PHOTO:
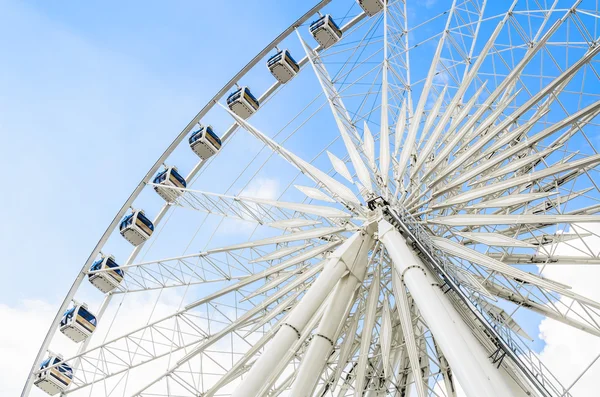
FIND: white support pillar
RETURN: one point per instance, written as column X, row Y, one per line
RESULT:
column 467, row 358
column 341, row 261
column 323, row 341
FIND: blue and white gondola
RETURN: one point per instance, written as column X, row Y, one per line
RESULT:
column 204, row 142
column 136, row 228
column 56, row 379
column 282, row 66
column 371, row 7
column 78, row 323
column 105, row 274
column 169, row 183
column 242, row 102
column 325, row 31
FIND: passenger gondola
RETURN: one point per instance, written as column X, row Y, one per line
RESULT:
column 105, row 274
column 325, row 31
column 169, row 184
column 136, row 228
column 242, row 102
column 78, row 323
column 371, row 7
column 204, row 142
column 282, row 66
column 56, row 379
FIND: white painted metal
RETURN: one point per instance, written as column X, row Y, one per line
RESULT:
column 315, row 194
column 447, row 201
column 384, row 133
column 476, row 374
column 409, row 143
column 400, row 127
column 495, row 239
column 152, row 171
column 341, row 261
column 326, row 212
column 369, row 146
column 339, row 166
column 406, row 319
column 280, row 253
column 323, row 341
column 367, row 334
column 340, row 114
column 339, row 190
column 480, row 220
column 510, row 200
column 385, row 338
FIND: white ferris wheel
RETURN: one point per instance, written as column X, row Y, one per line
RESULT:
column 368, row 208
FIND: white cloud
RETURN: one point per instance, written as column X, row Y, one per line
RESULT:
column 568, row 351
column 25, row 325
column 264, row 188
column 23, row 329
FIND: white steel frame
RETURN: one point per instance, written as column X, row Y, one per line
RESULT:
column 401, row 271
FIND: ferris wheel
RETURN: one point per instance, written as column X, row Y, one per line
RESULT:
column 368, row 208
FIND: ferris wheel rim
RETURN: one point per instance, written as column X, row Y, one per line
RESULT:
column 146, row 181
column 159, row 162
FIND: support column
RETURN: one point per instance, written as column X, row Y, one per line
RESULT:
column 341, row 261
column 472, row 367
column 324, row 339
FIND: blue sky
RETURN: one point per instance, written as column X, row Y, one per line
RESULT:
column 91, row 93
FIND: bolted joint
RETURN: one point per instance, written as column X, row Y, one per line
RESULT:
column 294, row 328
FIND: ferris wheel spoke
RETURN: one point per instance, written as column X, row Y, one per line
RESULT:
column 353, row 252
column 409, row 141
column 371, row 282
column 557, row 84
column 504, row 84
column 220, row 265
column 585, row 320
column 565, row 306
column 384, row 133
column 476, row 257
column 405, row 313
column 339, row 191
column 258, row 210
column 348, row 349
column 105, row 361
column 412, row 198
column 345, row 126
column 505, row 185
column 212, row 339
column 458, row 96
column 188, row 270
column 494, row 156
column 367, row 331
column 242, row 366
column 285, row 306
column 186, row 328
column 306, row 271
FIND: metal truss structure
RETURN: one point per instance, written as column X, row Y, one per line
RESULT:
column 445, row 160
